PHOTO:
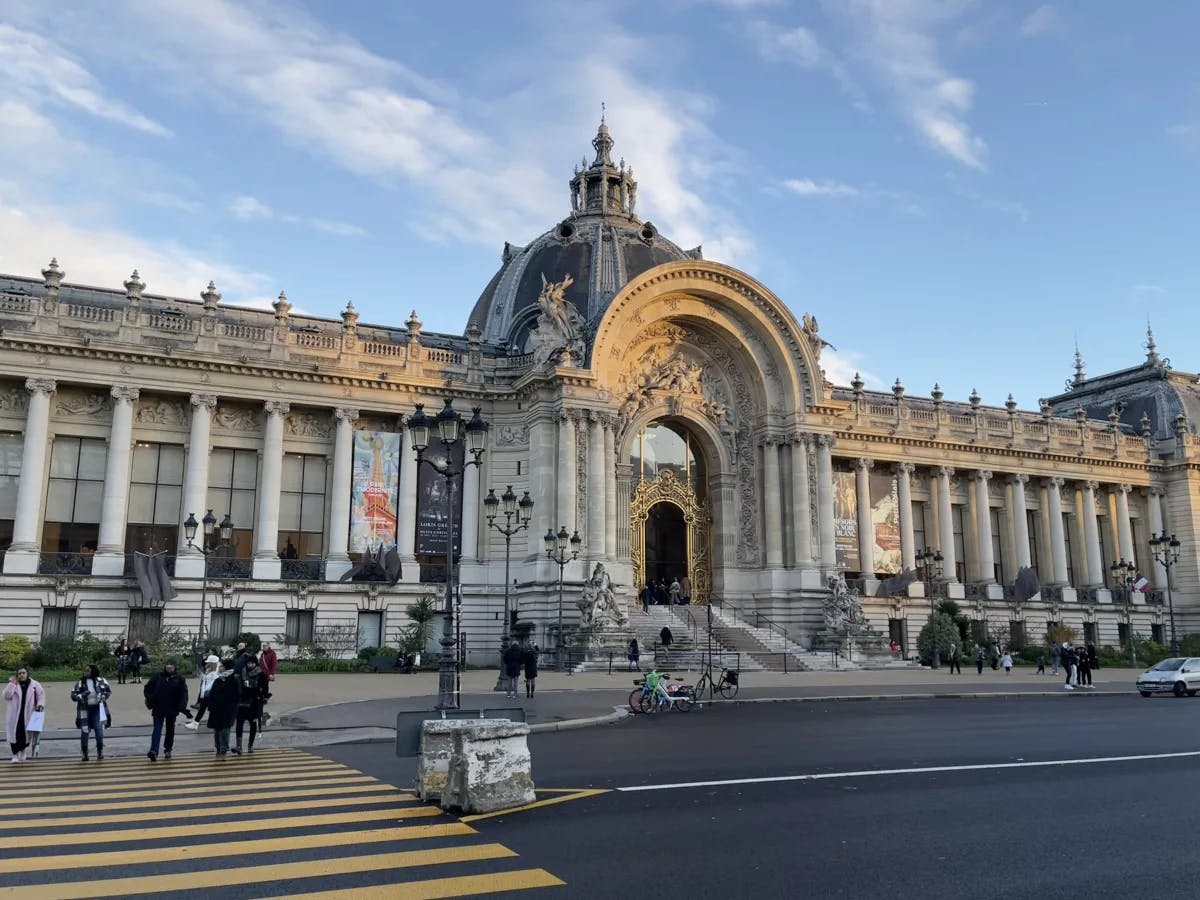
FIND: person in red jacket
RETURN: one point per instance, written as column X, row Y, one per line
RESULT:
column 268, row 662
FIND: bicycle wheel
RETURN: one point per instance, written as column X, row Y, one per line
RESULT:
column 728, row 689
column 649, row 703
column 684, row 702
column 704, row 687
column 635, row 701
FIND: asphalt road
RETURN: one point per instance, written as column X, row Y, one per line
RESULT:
column 1009, row 829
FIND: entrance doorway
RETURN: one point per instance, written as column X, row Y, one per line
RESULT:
column 666, row 543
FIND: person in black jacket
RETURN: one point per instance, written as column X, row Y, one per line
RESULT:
column 254, row 686
column 223, row 699
column 530, row 659
column 138, row 657
column 166, row 697
column 513, row 656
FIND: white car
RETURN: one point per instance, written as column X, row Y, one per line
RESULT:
column 1179, row 675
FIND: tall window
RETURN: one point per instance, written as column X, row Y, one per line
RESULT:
column 997, row 544
column 10, row 474
column 58, row 624
column 155, row 495
column 224, row 625
column 920, row 541
column 1031, row 528
column 144, row 625
column 661, row 445
column 302, row 507
column 75, row 494
column 1070, row 555
column 298, row 626
column 960, row 545
column 232, row 477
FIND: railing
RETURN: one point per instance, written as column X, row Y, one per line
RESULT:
column 229, row 567
column 65, row 564
column 694, row 660
column 378, row 348
column 1089, row 594
column 245, row 332
column 515, row 362
column 173, row 322
column 772, row 627
column 15, row 303
column 975, row 590
column 315, row 341
column 1052, row 594
column 302, row 569
column 168, row 564
column 90, row 313
column 445, row 356
column 685, row 613
column 1156, row 597
column 922, row 415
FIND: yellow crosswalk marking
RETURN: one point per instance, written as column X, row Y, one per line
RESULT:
column 74, row 770
column 192, row 785
column 439, row 888
column 217, row 877
column 209, row 851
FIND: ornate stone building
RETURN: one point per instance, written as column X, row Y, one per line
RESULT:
column 670, row 409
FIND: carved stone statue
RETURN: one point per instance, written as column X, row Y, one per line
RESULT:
column 844, row 615
column 558, row 337
column 810, row 328
column 598, row 602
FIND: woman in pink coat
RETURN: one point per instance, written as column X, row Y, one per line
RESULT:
column 23, row 720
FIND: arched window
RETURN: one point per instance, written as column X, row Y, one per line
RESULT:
column 665, row 445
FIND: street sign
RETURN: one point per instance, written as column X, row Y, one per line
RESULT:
column 409, row 724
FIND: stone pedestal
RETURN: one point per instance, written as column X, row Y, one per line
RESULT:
column 489, row 769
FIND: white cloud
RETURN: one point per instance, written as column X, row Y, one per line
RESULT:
column 801, row 47
column 1043, row 21
column 898, row 39
column 841, row 366
column 36, row 70
column 806, row 187
column 251, row 209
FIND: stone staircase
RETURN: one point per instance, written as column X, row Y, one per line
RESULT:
column 689, row 647
column 769, row 649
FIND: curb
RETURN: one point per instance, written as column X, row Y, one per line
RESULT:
column 618, row 713
column 960, row 695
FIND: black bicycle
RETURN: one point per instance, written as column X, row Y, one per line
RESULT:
column 727, row 686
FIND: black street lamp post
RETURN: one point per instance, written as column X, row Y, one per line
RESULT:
column 522, row 511
column 451, row 432
column 1166, row 554
column 1124, row 575
column 224, row 535
column 556, row 549
column 929, row 566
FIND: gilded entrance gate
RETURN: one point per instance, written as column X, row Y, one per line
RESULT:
column 667, row 488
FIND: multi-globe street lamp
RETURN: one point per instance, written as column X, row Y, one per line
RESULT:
column 1166, row 553
column 224, row 536
column 1124, row 576
column 451, row 433
column 522, row 512
column 929, row 568
column 556, row 549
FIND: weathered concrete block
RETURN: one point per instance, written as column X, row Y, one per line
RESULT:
column 490, row 767
column 437, row 744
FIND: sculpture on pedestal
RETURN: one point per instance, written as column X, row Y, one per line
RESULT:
column 558, row 337
column 598, row 603
column 844, row 616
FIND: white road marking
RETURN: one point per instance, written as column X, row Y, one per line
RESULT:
column 923, row 770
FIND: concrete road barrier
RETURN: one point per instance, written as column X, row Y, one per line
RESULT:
column 489, row 768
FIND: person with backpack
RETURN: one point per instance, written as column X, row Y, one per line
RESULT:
column 211, row 667
column 253, row 689
column 666, row 638
column 166, row 696
column 91, row 693
column 633, row 654
column 514, row 657
column 223, row 698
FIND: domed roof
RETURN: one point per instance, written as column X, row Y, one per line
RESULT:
column 601, row 245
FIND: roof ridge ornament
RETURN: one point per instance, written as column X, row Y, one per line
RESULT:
column 1151, row 347
column 1080, row 370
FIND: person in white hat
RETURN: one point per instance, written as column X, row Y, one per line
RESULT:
column 211, row 665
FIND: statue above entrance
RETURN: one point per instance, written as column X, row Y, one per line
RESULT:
column 558, row 337
column 598, row 604
column 844, row 616
column 666, row 367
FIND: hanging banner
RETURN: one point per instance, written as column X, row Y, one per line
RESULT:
column 845, row 521
column 374, row 491
column 433, row 502
column 885, row 519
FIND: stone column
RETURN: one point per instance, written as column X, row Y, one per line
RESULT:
column 565, row 514
column 946, row 525
column 983, row 527
column 1124, row 531
column 825, row 501
column 594, row 539
column 1091, row 536
column 1154, row 507
column 866, row 529
column 801, row 506
column 23, row 555
column 189, row 563
column 406, row 532
column 469, row 552
column 908, row 545
column 1020, row 520
column 337, row 560
column 1058, row 542
column 772, row 515
column 541, row 484
column 266, row 534
column 110, row 549
column 610, row 490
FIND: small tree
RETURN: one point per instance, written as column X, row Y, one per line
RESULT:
column 1057, row 634
column 420, row 616
column 939, row 633
column 961, row 620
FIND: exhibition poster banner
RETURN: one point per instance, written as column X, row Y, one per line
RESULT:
column 433, row 502
column 885, row 520
column 374, row 491
column 845, row 521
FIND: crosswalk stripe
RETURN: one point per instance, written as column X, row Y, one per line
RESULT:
column 440, row 888
column 189, row 785
column 224, row 849
column 212, row 801
column 73, row 769
column 403, row 812
column 199, row 829
column 289, row 871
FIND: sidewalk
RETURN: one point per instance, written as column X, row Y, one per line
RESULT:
column 311, row 710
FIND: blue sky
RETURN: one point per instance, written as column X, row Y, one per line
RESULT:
column 956, row 190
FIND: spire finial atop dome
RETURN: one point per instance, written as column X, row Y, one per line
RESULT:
column 603, row 143
column 1151, row 347
column 1080, row 371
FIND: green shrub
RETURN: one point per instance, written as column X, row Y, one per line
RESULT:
column 1032, row 654
column 252, row 641
column 940, row 632
column 322, row 665
column 1190, row 645
column 52, row 653
column 367, row 652
column 14, row 651
column 88, row 648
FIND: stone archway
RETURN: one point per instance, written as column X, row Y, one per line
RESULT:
column 668, row 488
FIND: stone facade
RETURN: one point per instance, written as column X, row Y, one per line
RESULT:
column 1063, row 490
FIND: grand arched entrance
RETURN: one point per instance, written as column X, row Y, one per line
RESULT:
column 670, row 525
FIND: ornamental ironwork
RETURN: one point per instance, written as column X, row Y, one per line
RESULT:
column 666, row 487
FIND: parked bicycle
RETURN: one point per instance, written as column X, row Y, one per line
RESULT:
column 656, row 692
column 727, row 686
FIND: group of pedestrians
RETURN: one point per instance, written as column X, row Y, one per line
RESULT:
column 517, row 659
column 1077, row 662
column 130, row 660
column 660, row 593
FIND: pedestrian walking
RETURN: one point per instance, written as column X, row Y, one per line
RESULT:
column 955, row 660
column 675, row 592
column 91, row 693
column 685, row 588
column 979, row 660
column 1085, row 669
column 994, row 656
column 666, row 638
column 122, row 651
column 1093, row 659
column 138, row 657
column 25, row 716
column 223, row 700
column 1070, row 665
column 253, row 687
column 1054, row 658
column 212, row 666
column 166, row 696
column 514, row 657
column 530, row 659
column 268, row 661
column 633, row 653
column 647, row 595
column 1041, row 669
column 239, row 659
column 1006, row 662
